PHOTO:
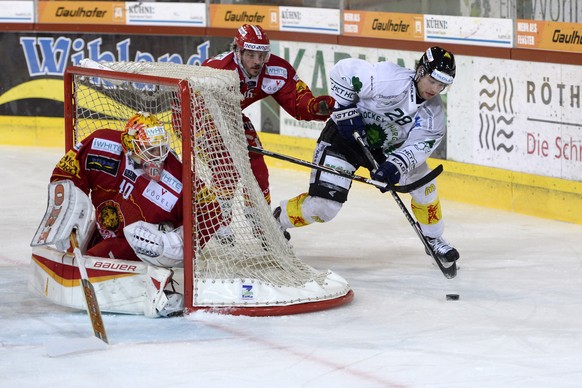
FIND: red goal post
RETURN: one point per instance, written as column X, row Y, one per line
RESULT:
column 253, row 272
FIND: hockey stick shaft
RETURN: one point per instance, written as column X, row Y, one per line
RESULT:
column 380, row 185
column 450, row 271
column 93, row 309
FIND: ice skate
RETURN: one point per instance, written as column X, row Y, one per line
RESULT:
column 443, row 250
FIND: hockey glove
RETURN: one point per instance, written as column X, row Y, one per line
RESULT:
column 321, row 106
column 387, row 172
column 348, row 121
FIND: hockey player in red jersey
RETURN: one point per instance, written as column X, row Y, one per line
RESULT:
column 263, row 74
column 131, row 176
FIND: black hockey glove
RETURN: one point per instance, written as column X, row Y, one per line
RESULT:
column 387, row 172
column 348, row 121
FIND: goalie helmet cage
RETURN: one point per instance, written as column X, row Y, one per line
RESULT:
column 237, row 261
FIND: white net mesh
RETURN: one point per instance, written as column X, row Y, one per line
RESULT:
column 240, row 257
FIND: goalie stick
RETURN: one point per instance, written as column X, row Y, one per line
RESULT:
column 449, row 270
column 380, row 185
column 93, row 309
column 79, row 345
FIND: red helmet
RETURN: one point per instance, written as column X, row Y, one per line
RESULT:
column 250, row 37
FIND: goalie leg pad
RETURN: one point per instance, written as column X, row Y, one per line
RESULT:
column 155, row 245
column 68, row 209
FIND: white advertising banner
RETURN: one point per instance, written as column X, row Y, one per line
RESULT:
column 314, row 20
column 166, row 14
column 518, row 116
column 17, row 12
column 467, row 30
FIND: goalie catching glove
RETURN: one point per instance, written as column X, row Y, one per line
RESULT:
column 349, row 120
column 157, row 245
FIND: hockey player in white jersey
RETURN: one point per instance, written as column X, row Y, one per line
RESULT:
column 400, row 115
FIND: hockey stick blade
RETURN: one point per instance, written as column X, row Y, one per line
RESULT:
column 381, row 185
column 449, row 271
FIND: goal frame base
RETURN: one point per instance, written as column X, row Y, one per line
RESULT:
column 267, row 311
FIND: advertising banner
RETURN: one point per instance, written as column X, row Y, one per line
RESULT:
column 81, row 12
column 166, row 14
column 549, row 35
column 35, row 86
column 17, row 12
column 517, row 116
column 314, row 20
column 383, row 25
column 467, row 30
column 234, row 16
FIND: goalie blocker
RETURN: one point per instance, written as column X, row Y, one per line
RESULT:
column 122, row 286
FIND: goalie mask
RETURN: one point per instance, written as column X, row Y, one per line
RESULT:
column 439, row 64
column 146, row 141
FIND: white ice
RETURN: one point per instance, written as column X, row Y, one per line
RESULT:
column 518, row 322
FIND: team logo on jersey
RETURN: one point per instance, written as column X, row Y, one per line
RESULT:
column 109, row 219
column 109, row 146
column 160, row 196
column 69, row 163
column 276, row 71
column 376, row 136
column 101, row 163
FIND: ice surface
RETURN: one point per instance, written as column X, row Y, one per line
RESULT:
column 517, row 323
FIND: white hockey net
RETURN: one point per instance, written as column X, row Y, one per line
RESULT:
column 237, row 260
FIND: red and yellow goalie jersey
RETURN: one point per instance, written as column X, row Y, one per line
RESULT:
column 278, row 79
column 120, row 190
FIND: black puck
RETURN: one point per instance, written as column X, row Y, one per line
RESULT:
column 452, row 296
